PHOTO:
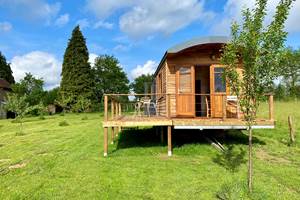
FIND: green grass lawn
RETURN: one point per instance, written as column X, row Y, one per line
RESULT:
column 66, row 162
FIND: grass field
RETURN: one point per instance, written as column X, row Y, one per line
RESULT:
column 66, row 162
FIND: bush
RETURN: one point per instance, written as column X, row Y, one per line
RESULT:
column 41, row 117
column 63, row 123
column 85, row 118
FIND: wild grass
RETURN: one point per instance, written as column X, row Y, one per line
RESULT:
column 66, row 162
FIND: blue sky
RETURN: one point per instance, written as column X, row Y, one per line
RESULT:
column 34, row 33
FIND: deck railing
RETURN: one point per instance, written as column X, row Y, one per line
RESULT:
column 166, row 105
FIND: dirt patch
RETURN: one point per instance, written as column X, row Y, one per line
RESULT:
column 17, row 166
column 263, row 155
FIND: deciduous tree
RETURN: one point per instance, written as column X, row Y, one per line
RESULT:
column 259, row 48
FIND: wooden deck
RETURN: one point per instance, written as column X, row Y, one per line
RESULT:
column 187, row 123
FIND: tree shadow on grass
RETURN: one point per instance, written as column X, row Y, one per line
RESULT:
column 149, row 137
column 231, row 159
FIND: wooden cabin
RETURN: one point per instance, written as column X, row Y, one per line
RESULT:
column 188, row 92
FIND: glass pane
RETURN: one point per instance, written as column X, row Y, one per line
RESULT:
column 219, row 70
column 220, row 85
column 185, row 70
column 185, row 80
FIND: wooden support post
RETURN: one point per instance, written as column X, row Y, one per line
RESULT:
column 120, row 109
column 271, row 108
column 112, row 135
column 105, row 141
column 292, row 131
column 112, row 108
column 224, row 107
column 168, row 106
column 105, row 108
column 116, row 109
column 161, row 134
column 169, row 141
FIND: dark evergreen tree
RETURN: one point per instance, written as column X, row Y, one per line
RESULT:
column 5, row 70
column 77, row 79
column 109, row 76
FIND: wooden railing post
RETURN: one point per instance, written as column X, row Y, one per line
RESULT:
column 112, row 108
column 271, row 108
column 224, row 107
column 105, row 107
column 168, row 106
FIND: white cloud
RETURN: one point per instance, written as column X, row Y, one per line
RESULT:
column 62, row 20
column 5, row 26
column 122, row 47
column 104, row 8
column 233, row 9
column 92, row 58
column 31, row 9
column 41, row 64
column 145, row 18
column 83, row 23
column 148, row 68
column 103, row 24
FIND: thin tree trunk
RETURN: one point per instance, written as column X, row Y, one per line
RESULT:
column 250, row 164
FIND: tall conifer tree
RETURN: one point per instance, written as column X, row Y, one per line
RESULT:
column 77, row 79
column 5, row 70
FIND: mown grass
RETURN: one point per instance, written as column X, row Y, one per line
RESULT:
column 66, row 162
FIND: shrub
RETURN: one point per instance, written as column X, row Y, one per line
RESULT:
column 85, row 118
column 63, row 123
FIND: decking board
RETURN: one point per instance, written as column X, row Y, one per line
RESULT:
column 133, row 121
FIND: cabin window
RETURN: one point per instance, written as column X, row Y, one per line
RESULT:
column 159, row 83
column 220, row 85
column 185, row 78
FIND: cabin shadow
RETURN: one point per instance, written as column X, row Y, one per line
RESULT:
column 149, row 137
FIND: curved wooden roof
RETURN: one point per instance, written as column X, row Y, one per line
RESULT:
column 190, row 44
column 198, row 41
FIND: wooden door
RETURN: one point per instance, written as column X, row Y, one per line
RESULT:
column 185, row 91
column 217, row 90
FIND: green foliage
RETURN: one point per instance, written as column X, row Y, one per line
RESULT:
column 142, row 84
column 51, row 96
column 260, row 50
column 82, row 104
column 291, row 71
column 5, row 70
column 18, row 105
column 77, row 77
column 65, row 101
column 30, row 87
column 109, row 77
column 63, row 123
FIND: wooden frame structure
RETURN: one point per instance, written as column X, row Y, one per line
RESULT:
column 188, row 93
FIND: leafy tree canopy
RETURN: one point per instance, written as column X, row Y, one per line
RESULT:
column 291, row 70
column 109, row 76
column 142, row 84
column 30, row 87
column 5, row 70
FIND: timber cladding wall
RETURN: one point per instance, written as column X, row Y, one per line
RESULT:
column 161, row 88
